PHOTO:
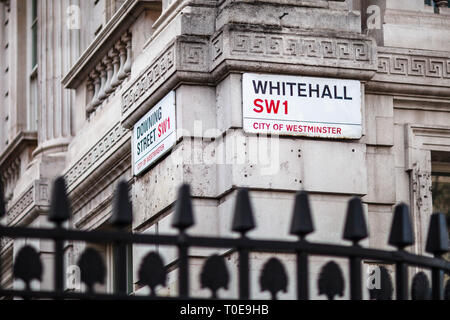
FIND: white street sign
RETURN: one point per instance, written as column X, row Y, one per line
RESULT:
column 302, row 106
column 155, row 134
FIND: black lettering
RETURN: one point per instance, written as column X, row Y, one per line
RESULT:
column 302, row 90
column 311, row 90
column 326, row 92
column 272, row 88
column 260, row 87
column 336, row 94
column 291, row 86
column 345, row 94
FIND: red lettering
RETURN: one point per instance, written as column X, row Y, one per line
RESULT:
column 271, row 106
column 163, row 127
column 258, row 104
column 286, row 107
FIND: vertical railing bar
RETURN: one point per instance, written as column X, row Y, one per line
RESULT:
column 244, row 271
column 183, row 268
column 355, row 278
column 437, row 279
column 59, row 265
column 401, row 270
column 302, row 276
column 120, row 274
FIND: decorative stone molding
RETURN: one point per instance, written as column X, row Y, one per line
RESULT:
column 112, row 32
column 38, row 195
column 10, row 161
column 414, row 66
column 420, row 140
column 152, row 77
column 238, row 43
column 412, row 71
column 109, row 74
column 96, row 155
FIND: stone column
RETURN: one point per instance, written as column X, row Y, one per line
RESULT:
column 57, row 52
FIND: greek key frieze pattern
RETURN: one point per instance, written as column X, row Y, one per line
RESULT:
column 149, row 78
column 95, row 154
column 298, row 46
column 406, row 65
column 24, row 202
column 37, row 194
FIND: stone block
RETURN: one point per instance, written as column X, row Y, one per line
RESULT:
column 379, row 120
column 381, row 176
column 322, row 160
column 380, row 222
column 229, row 103
column 196, row 111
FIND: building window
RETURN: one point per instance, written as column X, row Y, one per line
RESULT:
column 441, row 183
column 34, row 34
column 433, row 3
column 129, row 268
column 33, row 87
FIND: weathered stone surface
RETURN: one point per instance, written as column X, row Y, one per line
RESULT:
column 379, row 124
column 381, row 176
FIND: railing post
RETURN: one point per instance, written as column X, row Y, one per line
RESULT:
column 183, row 267
column 59, row 214
column 437, row 244
column 302, row 276
column 59, row 265
column 302, row 225
column 401, row 281
column 355, row 231
column 122, row 219
column 401, row 236
column 355, row 278
column 244, row 273
column 243, row 222
column 437, row 280
column 183, row 219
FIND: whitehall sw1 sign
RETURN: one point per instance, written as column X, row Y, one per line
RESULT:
column 155, row 134
column 302, row 106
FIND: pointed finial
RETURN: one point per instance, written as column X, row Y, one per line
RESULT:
column 60, row 206
column 2, row 200
column 437, row 242
column 122, row 215
column 243, row 214
column 302, row 223
column 184, row 217
column 401, row 232
column 355, row 224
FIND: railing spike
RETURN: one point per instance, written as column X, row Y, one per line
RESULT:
column 184, row 216
column 60, row 205
column 437, row 242
column 355, row 225
column 302, row 222
column 2, row 200
column 401, row 235
column 243, row 220
column 122, row 215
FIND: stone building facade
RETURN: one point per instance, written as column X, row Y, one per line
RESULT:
column 76, row 76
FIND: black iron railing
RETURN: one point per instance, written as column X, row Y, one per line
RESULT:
column 215, row 275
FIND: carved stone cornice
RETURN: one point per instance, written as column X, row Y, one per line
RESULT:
column 328, row 53
column 35, row 199
column 20, row 142
column 102, row 152
column 110, row 34
column 416, row 72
